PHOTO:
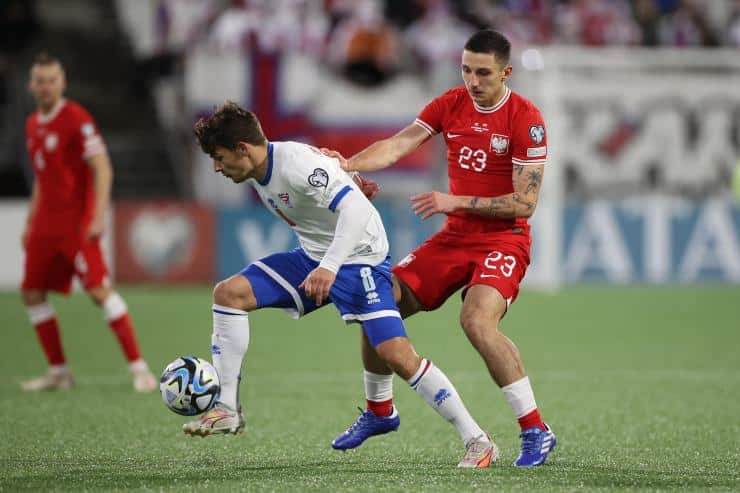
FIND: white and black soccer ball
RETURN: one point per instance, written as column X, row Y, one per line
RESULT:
column 189, row 385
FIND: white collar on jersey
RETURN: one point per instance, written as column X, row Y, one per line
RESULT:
column 47, row 117
column 495, row 107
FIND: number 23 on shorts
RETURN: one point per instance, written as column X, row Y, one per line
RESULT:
column 498, row 265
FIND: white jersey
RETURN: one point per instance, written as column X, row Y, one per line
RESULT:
column 303, row 187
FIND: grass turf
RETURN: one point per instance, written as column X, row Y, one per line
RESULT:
column 640, row 384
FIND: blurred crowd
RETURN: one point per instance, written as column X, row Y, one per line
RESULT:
column 370, row 39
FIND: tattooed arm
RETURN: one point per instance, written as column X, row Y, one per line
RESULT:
column 520, row 203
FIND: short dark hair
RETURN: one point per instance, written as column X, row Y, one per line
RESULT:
column 226, row 127
column 490, row 41
column 43, row 58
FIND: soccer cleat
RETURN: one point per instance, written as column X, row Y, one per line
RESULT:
column 50, row 381
column 480, row 452
column 366, row 426
column 536, row 446
column 220, row 419
column 144, row 381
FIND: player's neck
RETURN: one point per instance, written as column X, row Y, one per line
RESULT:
column 496, row 98
column 47, row 110
column 260, row 171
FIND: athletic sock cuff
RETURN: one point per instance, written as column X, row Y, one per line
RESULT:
column 114, row 307
column 41, row 313
column 227, row 310
column 424, row 368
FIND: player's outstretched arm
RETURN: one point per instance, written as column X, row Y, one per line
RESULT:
column 527, row 180
column 520, row 203
column 384, row 153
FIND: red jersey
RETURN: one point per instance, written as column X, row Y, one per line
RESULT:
column 483, row 145
column 59, row 144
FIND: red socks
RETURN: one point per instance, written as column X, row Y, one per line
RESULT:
column 382, row 408
column 50, row 340
column 124, row 331
column 532, row 419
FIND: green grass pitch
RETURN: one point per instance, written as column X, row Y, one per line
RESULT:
column 641, row 385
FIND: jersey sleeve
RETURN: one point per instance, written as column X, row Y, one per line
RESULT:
column 85, row 134
column 319, row 177
column 430, row 118
column 529, row 138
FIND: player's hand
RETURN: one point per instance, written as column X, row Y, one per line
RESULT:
column 317, row 284
column 369, row 188
column 95, row 229
column 428, row 204
column 343, row 163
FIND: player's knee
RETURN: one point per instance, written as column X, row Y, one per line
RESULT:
column 477, row 326
column 99, row 294
column 31, row 298
column 234, row 292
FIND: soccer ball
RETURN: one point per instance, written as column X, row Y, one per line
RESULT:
column 189, row 386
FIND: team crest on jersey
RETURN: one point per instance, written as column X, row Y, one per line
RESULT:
column 51, row 141
column 319, row 178
column 537, row 133
column 499, row 143
column 285, row 199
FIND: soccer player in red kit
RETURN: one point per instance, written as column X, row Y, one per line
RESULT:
column 496, row 152
column 66, row 218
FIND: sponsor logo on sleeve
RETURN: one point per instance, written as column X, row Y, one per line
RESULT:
column 537, row 151
column 537, row 133
column 88, row 129
column 319, row 178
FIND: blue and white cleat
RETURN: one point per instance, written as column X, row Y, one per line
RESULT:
column 366, row 426
column 536, row 446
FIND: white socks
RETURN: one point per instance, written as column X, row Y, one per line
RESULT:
column 230, row 341
column 40, row 313
column 378, row 387
column 437, row 390
column 520, row 397
column 114, row 307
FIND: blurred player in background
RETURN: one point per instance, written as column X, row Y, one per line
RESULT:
column 343, row 259
column 66, row 219
column 496, row 151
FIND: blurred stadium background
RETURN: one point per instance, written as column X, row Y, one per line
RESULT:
column 642, row 105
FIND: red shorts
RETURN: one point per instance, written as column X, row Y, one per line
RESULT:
column 449, row 261
column 51, row 262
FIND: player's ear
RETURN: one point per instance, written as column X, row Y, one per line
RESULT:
column 243, row 148
column 507, row 73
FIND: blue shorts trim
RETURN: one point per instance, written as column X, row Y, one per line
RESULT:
column 360, row 292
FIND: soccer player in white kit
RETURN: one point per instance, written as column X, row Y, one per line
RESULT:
column 343, row 259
